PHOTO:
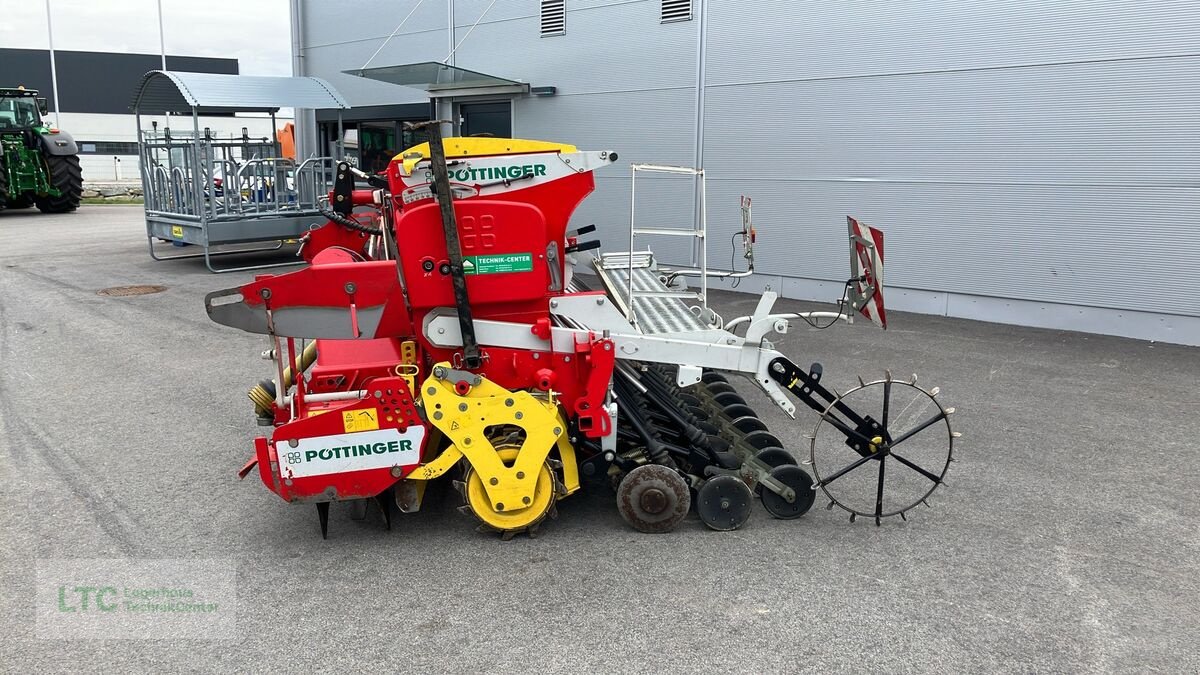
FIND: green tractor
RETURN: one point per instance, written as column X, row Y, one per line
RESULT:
column 39, row 165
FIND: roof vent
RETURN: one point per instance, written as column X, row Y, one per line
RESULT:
column 554, row 17
column 674, row 10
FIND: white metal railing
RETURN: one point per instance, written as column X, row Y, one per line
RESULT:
column 698, row 232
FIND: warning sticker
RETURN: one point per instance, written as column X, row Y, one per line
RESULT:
column 177, row 231
column 497, row 264
column 360, row 420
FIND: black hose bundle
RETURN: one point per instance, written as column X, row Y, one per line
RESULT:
column 348, row 222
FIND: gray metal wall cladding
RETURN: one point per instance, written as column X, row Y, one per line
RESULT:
column 1045, row 150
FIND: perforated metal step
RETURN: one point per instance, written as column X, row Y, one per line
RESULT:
column 655, row 315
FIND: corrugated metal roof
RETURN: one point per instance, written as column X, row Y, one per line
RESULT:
column 177, row 92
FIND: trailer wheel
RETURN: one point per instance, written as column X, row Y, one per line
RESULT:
column 67, row 177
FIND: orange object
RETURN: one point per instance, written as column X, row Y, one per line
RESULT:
column 287, row 141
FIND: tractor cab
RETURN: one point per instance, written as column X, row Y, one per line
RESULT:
column 20, row 109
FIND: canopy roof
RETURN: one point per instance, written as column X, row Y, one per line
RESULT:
column 175, row 92
column 442, row 80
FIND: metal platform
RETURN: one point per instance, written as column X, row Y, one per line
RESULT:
column 659, row 309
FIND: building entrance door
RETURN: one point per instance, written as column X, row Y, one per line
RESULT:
column 486, row 119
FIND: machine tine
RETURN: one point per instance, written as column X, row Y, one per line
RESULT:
column 386, row 511
column 853, row 516
column 507, row 535
column 829, row 506
column 323, row 515
column 903, row 517
column 913, row 381
column 861, row 382
column 247, row 468
column 533, row 531
column 887, row 375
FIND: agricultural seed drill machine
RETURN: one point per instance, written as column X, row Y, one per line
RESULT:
column 439, row 330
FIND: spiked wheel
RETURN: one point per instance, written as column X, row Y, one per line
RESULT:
column 851, row 461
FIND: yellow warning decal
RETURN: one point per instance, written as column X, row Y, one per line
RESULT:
column 317, row 411
column 360, row 420
column 177, row 231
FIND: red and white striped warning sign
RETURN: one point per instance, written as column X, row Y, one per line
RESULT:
column 866, row 249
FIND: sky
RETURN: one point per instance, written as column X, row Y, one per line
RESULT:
column 255, row 32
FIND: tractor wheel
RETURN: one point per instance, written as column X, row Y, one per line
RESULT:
column 65, row 175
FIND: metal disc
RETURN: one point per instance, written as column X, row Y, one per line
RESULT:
column 653, row 498
column 797, row 479
column 736, row 410
column 720, row 388
column 775, row 456
column 729, row 398
column 748, row 423
column 723, row 503
column 711, row 376
column 763, row 440
column 689, row 399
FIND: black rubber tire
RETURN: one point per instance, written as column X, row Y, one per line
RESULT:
column 762, row 440
column 65, row 175
column 797, row 479
column 711, row 376
column 729, row 398
column 737, row 410
column 748, row 423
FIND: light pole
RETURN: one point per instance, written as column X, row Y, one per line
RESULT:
column 162, row 43
column 53, row 66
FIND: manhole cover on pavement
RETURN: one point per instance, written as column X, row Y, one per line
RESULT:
column 122, row 291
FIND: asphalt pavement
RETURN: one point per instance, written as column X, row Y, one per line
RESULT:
column 1066, row 539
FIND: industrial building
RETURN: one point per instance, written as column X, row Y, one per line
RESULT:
column 1032, row 163
column 95, row 90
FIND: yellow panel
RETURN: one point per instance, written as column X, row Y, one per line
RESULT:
column 360, row 420
column 477, row 146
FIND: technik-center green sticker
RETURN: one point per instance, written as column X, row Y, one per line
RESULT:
column 497, row 264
